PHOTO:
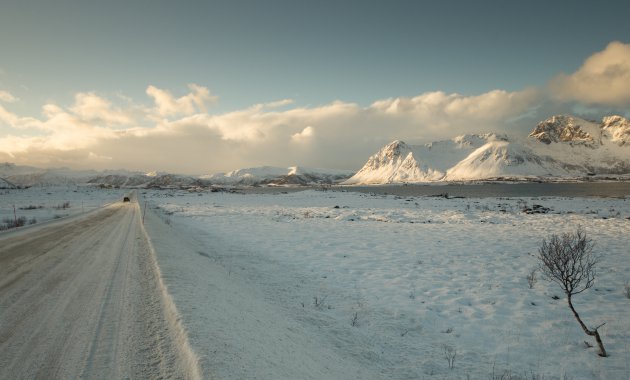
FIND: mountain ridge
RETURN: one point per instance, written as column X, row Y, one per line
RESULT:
column 559, row 147
column 562, row 146
column 14, row 176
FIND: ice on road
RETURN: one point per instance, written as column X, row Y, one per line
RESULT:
column 84, row 299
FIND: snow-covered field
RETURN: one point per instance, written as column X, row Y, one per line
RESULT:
column 331, row 284
column 41, row 203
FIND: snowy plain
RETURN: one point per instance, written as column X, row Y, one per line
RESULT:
column 337, row 284
column 39, row 204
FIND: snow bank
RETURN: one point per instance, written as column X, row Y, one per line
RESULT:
column 186, row 356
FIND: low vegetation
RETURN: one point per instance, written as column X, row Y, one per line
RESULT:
column 9, row 223
column 63, row 206
column 31, row 207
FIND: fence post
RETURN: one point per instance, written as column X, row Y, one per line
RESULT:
column 14, row 216
column 144, row 212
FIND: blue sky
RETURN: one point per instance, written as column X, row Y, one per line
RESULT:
column 314, row 53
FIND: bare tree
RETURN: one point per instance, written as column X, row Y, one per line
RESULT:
column 568, row 260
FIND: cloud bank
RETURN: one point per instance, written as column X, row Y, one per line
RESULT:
column 180, row 134
column 603, row 79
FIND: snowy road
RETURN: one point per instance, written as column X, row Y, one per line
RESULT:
column 83, row 298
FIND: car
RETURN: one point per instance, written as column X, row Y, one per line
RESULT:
column 126, row 199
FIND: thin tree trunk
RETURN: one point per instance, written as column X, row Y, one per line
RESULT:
column 595, row 333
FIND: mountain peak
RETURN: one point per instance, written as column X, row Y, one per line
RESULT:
column 617, row 128
column 394, row 149
column 565, row 128
column 478, row 139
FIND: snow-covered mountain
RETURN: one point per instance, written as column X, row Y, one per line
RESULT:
column 32, row 176
column 265, row 175
column 561, row 146
column 270, row 175
column 122, row 180
column 25, row 176
column 617, row 129
column 504, row 159
column 399, row 162
column 584, row 146
column 567, row 129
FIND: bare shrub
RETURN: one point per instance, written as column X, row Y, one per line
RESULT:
column 531, row 278
column 450, row 354
column 62, row 206
column 14, row 223
column 568, row 261
column 354, row 322
column 626, row 289
column 318, row 302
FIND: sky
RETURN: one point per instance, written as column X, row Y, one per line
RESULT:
column 199, row 87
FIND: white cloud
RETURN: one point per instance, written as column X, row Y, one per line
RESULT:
column 94, row 132
column 61, row 131
column 95, row 157
column 279, row 103
column 90, row 107
column 304, row 136
column 6, row 97
column 168, row 105
column 17, row 122
column 603, row 79
column 7, row 117
column 438, row 113
column 179, row 134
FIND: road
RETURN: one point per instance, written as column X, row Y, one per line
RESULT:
column 82, row 299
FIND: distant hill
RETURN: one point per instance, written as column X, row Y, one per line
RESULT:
column 15, row 175
column 270, row 175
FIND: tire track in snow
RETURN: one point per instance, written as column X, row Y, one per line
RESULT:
column 84, row 298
